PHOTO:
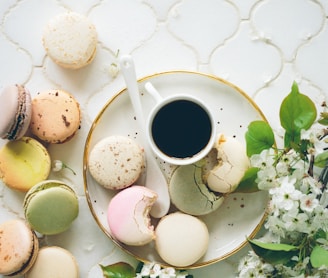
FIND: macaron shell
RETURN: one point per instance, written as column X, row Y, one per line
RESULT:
column 54, row 262
column 56, row 116
column 19, row 247
column 116, row 162
column 128, row 215
column 70, row 40
column 189, row 193
column 181, row 239
column 23, row 163
column 50, row 207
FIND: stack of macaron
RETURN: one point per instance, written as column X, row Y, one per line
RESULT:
column 116, row 163
column 20, row 254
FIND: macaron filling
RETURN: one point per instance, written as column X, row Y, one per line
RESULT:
column 21, row 118
column 19, row 247
column 26, row 266
column 17, row 103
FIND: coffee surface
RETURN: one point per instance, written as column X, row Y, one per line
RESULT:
column 181, row 129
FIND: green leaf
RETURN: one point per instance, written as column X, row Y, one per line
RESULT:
column 274, row 253
column 319, row 257
column 247, row 183
column 321, row 159
column 297, row 112
column 259, row 137
column 118, row 270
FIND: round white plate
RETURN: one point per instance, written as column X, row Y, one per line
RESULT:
column 241, row 215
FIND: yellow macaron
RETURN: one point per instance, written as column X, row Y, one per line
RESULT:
column 23, row 163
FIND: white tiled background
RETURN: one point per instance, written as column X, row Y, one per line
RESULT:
column 260, row 46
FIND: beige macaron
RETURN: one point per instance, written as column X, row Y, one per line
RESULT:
column 56, row 116
column 181, row 239
column 53, row 261
column 116, row 162
column 70, row 40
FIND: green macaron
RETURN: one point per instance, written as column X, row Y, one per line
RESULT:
column 50, row 207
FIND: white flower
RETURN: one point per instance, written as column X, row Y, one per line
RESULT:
column 308, row 202
column 286, row 196
column 276, row 226
column 263, row 160
column 294, row 221
column 266, row 178
column 58, row 165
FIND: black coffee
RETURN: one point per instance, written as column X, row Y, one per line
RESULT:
column 181, row 129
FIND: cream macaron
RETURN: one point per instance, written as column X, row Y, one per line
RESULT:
column 53, row 261
column 56, row 116
column 232, row 163
column 70, row 39
column 116, row 162
column 181, row 239
column 128, row 215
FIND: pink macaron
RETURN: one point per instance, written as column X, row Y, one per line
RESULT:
column 16, row 111
column 128, row 215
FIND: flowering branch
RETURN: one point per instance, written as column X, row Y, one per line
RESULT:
column 296, row 242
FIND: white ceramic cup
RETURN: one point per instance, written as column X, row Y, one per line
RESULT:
column 180, row 129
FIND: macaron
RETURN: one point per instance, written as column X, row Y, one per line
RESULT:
column 70, row 40
column 54, row 261
column 56, row 116
column 16, row 111
column 181, row 239
column 50, row 207
column 18, row 247
column 128, row 215
column 116, row 162
column 23, row 163
column 232, row 163
column 189, row 193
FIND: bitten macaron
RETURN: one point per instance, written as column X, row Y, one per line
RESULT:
column 54, row 261
column 70, row 39
column 56, row 116
column 190, row 194
column 16, row 111
column 23, row 163
column 18, row 247
column 50, row 207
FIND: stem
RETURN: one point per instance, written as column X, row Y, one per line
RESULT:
column 310, row 171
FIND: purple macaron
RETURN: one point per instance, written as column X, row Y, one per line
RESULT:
column 16, row 111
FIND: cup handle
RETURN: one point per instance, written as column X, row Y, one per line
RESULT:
column 153, row 92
